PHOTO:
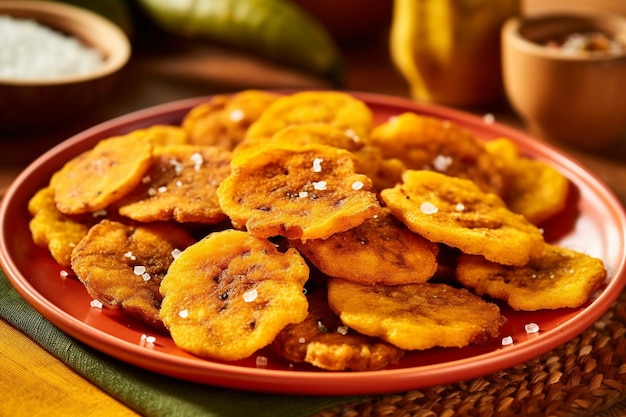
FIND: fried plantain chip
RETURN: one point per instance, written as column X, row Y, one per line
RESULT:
column 122, row 265
column 52, row 229
column 162, row 135
column 224, row 120
column 456, row 212
column 101, row 176
column 324, row 341
column 181, row 185
column 384, row 172
column 230, row 294
column 423, row 142
column 381, row 250
column 415, row 316
column 536, row 190
column 304, row 134
column 560, row 278
column 337, row 109
column 296, row 191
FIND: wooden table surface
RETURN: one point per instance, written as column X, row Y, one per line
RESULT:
column 177, row 71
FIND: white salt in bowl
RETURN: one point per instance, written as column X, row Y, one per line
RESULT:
column 41, row 86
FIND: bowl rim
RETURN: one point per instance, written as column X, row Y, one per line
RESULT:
column 116, row 58
column 512, row 36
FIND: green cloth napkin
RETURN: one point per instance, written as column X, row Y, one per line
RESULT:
column 148, row 393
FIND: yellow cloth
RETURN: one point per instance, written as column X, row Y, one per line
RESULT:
column 34, row 383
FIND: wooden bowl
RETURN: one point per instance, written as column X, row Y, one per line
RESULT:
column 572, row 98
column 28, row 105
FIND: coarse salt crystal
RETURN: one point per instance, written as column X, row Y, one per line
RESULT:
column 261, row 361
column 352, row 135
column 95, row 304
column 506, row 341
column 317, row 164
column 303, row 194
column 442, row 162
column 99, row 213
column 183, row 313
column 162, row 189
column 176, row 253
column 179, row 183
column 321, row 327
column 197, row 159
column 151, row 191
column 146, row 180
column 319, row 185
column 130, row 256
column 459, row 207
column 342, row 330
column 139, row 270
column 236, row 115
column 64, row 274
column 357, row 185
column 147, row 341
column 146, row 276
column 489, row 118
column 178, row 166
column 428, row 208
column 250, row 296
column 302, row 340
column 531, row 328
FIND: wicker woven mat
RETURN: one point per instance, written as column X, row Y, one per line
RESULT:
column 584, row 377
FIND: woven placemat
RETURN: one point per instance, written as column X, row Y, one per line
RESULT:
column 584, row 377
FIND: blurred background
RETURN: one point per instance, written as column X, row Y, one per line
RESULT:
column 175, row 57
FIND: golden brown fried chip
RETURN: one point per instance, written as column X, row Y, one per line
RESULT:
column 122, row 265
column 560, row 278
column 381, row 250
column 456, row 212
column 101, row 176
column 305, row 134
column 337, row 109
column 415, row 316
column 324, row 341
column 52, row 229
column 224, row 120
column 299, row 192
column 535, row 189
column 423, row 142
column 230, row 294
column 384, row 172
column 181, row 185
column 162, row 135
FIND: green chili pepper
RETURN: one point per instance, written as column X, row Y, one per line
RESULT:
column 275, row 29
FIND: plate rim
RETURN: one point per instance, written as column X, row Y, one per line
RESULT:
column 325, row 382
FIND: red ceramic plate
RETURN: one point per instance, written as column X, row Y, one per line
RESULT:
column 594, row 223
